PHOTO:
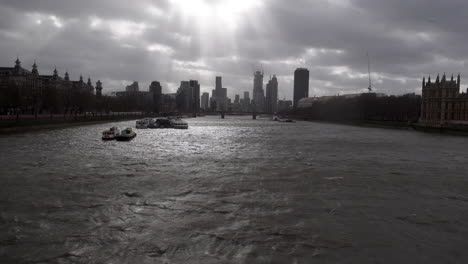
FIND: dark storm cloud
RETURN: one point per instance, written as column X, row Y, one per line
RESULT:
column 148, row 40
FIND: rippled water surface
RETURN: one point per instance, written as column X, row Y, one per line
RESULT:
column 234, row 191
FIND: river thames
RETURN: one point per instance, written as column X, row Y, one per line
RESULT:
column 234, row 191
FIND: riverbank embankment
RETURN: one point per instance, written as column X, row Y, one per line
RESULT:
column 23, row 125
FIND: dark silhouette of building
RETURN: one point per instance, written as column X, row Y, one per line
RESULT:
column 183, row 97
column 442, row 101
column 236, row 106
column 284, row 105
column 219, row 95
column 245, row 102
column 195, row 100
column 361, row 107
column 205, row 101
column 23, row 91
column 188, row 97
column 99, row 88
column 156, row 91
column 169, row 103
column 132, row 99
column 258, row 100
column 134, row 87
column 223, row 99
column 213, row 103
column 271, row 103
column 301, row 85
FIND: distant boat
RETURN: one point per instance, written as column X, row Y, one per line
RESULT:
column 176, row 123
column 286, row 120
column 111, row 133
column 160, row 123
column 126, row 135
column 280, row 119
column 143, row 123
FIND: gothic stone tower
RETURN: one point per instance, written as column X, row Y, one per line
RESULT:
column 439, row 99
column 99, row 88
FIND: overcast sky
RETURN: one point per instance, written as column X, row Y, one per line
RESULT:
column 174, row 40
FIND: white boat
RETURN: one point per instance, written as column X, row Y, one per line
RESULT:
column 178, row 123
column 160, row 123
column 281, row 119
column 286, row 120
column 111, row 133
column 168, row 122
column 126, row 135
column 143, row 123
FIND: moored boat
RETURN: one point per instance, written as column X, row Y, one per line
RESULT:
column 169, row 122
column 143, row 123
column 111, row 133
column 126, row 135
column 178, row 124
column 160, row 123
column 282, row 119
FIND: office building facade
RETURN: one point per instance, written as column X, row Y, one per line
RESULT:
column 301, row 85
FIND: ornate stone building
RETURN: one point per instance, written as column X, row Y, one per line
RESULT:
column 442, row 102
column 28, row 92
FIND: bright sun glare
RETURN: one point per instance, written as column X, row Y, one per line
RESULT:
column 227, row 12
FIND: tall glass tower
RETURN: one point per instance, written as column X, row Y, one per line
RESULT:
column 258, row 93
column 301, row 85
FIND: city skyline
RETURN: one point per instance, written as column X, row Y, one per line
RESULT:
column 166, row 42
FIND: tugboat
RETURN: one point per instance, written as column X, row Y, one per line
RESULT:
column 126, row 135
column 111, row 133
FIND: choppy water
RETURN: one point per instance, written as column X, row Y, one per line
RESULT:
column 234, row 191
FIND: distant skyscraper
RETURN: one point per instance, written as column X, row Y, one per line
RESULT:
column 258, row 93
column 223, row 99
column 271, row 102
column 130, row 88
column 195, row 99
column 301, row 84
column 205, row 101
column 213, row 104
column 246, row 102
column 183, row 97
column 237, row 104
column 218, row 96
column 219, row 83
column 156, row 89
column 188, row 97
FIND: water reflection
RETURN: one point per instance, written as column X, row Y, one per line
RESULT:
column 233, row 191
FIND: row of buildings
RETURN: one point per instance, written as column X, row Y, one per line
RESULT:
column 136, row 100
column 261, row 102
column 24, row 91
column 27, row 91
